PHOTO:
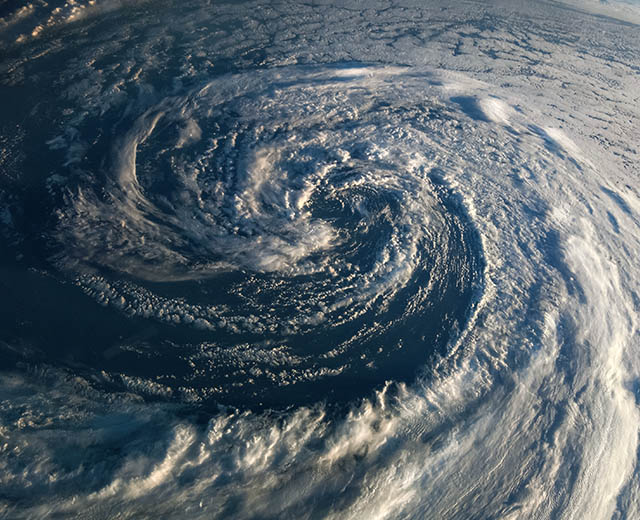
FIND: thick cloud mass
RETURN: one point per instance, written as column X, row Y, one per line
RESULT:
column 325, row 260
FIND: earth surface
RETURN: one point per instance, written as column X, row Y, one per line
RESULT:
column 368, row 259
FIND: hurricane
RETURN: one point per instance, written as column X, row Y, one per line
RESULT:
column 342, row 260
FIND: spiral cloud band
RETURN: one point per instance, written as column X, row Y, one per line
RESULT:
column 316, row 214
